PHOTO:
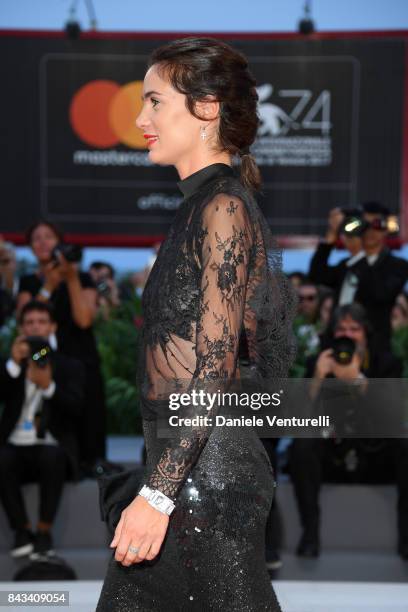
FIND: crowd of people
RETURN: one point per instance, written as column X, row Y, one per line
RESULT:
column 360, row 301
column 53, row 415
column 53, row 421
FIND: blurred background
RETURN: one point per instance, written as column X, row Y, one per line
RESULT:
column 264, row 16
column 75, row 179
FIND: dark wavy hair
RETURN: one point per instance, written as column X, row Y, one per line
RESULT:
column 54, row 228
column 36, row 306
column 355, row 311
column 201, row 67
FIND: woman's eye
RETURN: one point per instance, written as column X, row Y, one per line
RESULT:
column 154, row 102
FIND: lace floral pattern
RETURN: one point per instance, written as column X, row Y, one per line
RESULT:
column 218, row 273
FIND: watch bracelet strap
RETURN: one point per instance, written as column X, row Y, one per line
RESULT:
column 44, row 293
column 157, row 500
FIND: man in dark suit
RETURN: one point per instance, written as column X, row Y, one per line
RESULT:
column 320, row 271
column 381, row 277
column 42, row 392
column 373, row 279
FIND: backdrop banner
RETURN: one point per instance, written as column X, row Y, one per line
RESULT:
column 331, row 133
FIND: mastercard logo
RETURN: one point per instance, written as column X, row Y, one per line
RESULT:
column 103, row 114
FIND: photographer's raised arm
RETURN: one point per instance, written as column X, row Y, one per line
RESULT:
column 83, row 300
column 6, row 383
column 10, row 370
column 327, row 366
column 52, row 279
column 323, row 367
column 320, row 271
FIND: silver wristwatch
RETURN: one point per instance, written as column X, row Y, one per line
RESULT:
column 157, row 500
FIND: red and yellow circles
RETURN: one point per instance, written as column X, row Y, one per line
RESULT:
column 103, row 114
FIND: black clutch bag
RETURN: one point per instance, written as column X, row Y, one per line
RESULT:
column 116, row 492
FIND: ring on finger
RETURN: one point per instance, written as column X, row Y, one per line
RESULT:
column 133, row 549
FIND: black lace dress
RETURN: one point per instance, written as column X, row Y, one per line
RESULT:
column 217, row 276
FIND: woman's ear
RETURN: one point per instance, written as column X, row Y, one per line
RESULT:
column 208, row 109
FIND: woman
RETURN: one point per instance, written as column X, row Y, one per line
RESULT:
column 74, row 299
column 211, row 279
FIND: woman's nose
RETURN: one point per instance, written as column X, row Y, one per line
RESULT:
column 142, row 120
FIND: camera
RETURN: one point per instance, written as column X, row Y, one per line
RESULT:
column 343, row 350
column 379, row 224
column 103, row 289
column 71, row 252
column 40, row 350
column 354, row 224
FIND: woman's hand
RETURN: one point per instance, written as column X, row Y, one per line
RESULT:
column 67, row 270
column 20, row 350
column 140, row 526
column 52, row 275
column 324, row 364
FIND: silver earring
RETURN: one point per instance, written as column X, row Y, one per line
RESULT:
column 203, row 133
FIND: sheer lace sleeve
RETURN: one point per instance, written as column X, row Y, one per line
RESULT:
column 223, row 246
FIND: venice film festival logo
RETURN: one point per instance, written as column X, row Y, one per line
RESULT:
column 295, row 125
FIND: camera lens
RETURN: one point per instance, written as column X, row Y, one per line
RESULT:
column 343, row 350
column 40, row 350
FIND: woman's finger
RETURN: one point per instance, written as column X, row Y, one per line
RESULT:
column 154, row 549
column 143, row 550
column 122, row 548
column 118, row 532
column 133, row 557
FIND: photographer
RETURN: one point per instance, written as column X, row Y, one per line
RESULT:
column 340, row 277
column 73, row 296
column 382, row 276
column 373, row 279
column 42, row 392
column 103, row 275
column 352, row 362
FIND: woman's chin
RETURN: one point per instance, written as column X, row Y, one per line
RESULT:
column 157, row 157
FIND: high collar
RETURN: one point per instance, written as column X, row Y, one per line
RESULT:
column 194, row 182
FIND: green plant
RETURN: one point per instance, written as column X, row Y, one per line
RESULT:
column 8, row 333
column 400, row 347
column 306, row 345
column 118, row 341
